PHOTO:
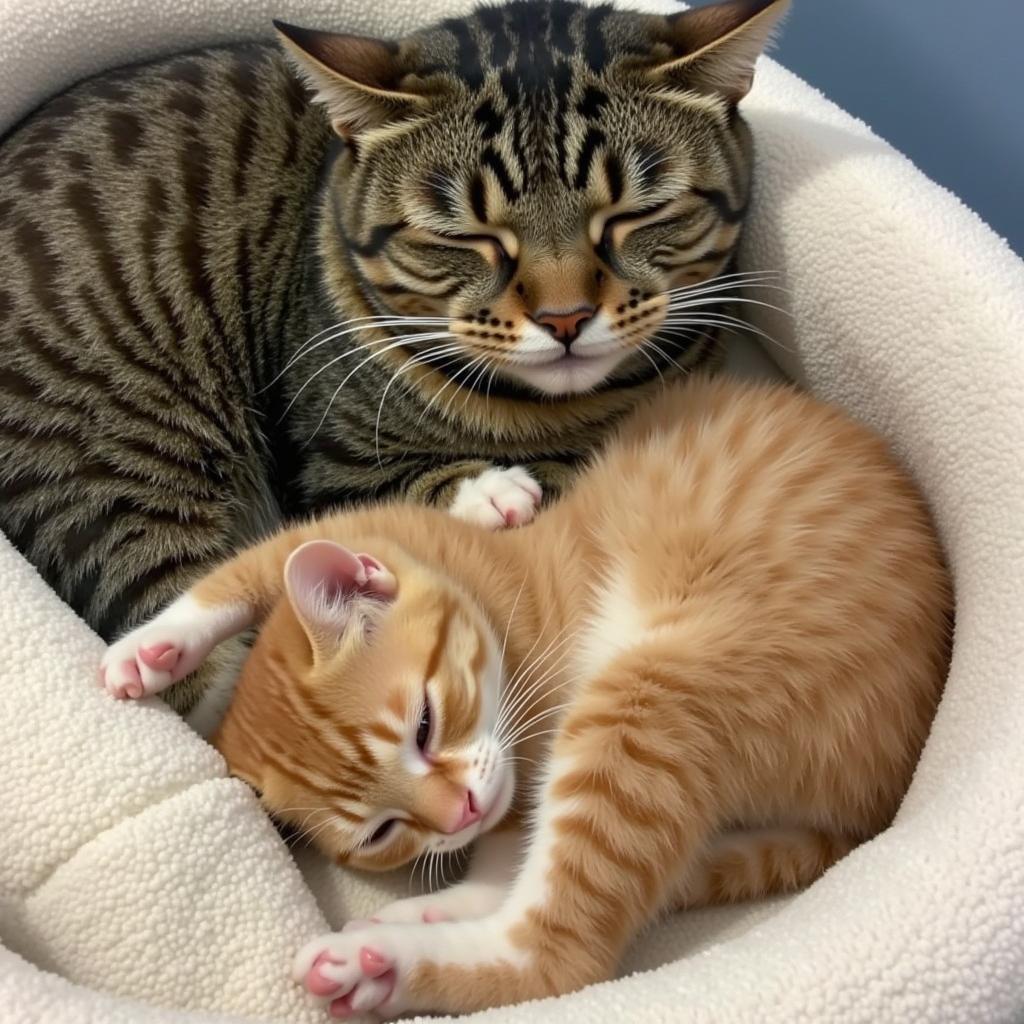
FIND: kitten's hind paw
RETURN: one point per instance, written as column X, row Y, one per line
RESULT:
column 498, row 498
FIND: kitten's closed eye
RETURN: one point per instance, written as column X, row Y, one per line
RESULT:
column 381, row 832
column 423, row 730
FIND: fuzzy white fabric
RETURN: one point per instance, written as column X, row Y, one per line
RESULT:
column 138, row 884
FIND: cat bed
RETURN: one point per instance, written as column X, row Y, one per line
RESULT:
column 139, row 884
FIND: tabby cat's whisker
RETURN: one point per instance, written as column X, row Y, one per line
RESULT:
column 440, row 391
column 308, row 346
column 398, row 343
column 740, row 278
column 417, row 358
column 476, row 380
column 651, row 343
column 727, row 323
column 394, row 343
column 724, row 300
column 459, row 387
column 467, row 370
column 642, row 349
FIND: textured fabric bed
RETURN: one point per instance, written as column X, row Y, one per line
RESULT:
column 132, row 871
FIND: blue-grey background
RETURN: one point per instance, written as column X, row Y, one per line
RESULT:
column 942, row 80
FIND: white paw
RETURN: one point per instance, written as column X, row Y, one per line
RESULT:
column 356, row 972
column 376, row 969
column 164, row 650
column 498, row 498
column 463, row 902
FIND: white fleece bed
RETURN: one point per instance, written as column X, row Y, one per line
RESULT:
column 139, row 884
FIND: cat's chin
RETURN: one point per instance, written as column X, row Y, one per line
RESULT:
column 570, row 375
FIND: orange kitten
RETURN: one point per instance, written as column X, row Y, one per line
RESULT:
column 704, row 675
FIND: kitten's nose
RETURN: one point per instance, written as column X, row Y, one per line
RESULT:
column 467, row 815
column 564, row 327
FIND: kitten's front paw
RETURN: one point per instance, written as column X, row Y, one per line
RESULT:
column 463, row 902
column 356, row 972
column 498, row 498
column 159, row 653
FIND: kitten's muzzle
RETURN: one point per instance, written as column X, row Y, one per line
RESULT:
column 469, row 813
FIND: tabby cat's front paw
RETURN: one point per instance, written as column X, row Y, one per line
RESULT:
column 498, row 498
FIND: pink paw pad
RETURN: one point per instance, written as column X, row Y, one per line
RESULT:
column 433, row 916
column 373, row 963
column 159, row 656
column 318, row 983
column 131, row 685
column 341, row 1009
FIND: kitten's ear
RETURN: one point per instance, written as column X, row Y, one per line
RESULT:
column 719, row 45
column 357, row 78
column 333, row 589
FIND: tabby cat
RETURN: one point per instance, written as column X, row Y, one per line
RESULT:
column 218, row 313
column 703, row 675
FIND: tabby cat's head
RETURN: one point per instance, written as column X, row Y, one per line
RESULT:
column 536, row 177
column 366, row 715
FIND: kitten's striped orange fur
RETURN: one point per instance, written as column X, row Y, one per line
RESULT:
column 723, row 653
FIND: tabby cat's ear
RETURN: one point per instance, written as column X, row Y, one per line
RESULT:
column 719, row 44
column 333, row 590
column 357, row 78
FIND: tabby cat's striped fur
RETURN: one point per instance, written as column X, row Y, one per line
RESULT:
column 172, row 236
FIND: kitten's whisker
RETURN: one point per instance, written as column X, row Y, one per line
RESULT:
column 508, row 625
column 550, row 670
column 412, row 872
column 511, row 699
column 510, row 688
column 547, row 693
column 544, row 732
column 530, row 686
column 536, row 720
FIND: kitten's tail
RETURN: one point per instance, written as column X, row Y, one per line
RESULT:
column 750, row 865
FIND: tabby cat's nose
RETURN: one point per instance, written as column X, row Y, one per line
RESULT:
column 564, row 327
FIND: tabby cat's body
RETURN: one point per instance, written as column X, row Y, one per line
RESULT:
column 702, row 675
column 172, row 236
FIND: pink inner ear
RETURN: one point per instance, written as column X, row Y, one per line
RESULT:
column 321, row 575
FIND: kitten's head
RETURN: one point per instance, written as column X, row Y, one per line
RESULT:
column 366, row 713
column 537, row 177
